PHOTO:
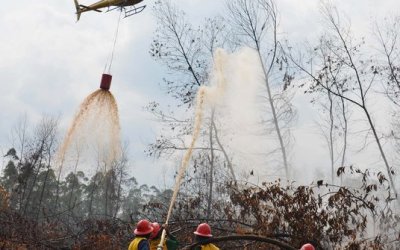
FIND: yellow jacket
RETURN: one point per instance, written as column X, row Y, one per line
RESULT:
column 135, row 243
column 209, row 246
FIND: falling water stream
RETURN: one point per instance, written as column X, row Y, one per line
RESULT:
column 97, row 122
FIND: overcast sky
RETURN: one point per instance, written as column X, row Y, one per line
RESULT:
column 49, row 62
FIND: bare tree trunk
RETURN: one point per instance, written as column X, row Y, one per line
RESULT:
column 37, row 161
column 246, row 15
column 275, row 119
column 42, row 192
column 106, row 195
column 20, row 130
column 344, row 136
column 90, row 205
column 73, row 184
column 383, row 155
column 119, row 192
column 331, row 143
column 211, row 160
column 223, row 151
column 49, row 151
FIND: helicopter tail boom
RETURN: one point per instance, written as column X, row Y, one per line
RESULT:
column 82, row 8
column 78, row 10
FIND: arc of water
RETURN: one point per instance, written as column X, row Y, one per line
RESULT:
column 185, row 161
column 211, row 94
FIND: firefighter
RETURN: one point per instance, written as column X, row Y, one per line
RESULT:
column 307, row 246
column 170, row 242
column 142, row 233
column 202, row 233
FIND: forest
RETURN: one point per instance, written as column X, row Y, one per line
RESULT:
column 355, row 89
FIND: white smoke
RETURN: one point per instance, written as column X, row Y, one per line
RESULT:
column 236, row 91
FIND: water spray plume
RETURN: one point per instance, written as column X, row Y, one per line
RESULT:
column 218, row 80
column 209, row 94
column 204, row 94
column 96, row 121
column 185, row 161
column 237, row 105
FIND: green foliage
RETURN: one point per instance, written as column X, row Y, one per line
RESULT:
column 38, row 210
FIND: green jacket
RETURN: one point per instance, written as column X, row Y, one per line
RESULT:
column 170, row 244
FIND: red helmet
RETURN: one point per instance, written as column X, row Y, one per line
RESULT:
column 203, row 230
column 307, row 246
column 143, row 227
column 156, row 228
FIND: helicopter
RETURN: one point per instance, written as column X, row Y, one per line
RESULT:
column 127, row 5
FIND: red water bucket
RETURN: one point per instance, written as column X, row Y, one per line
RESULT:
column 105, row 81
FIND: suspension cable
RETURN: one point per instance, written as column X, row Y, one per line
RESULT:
column 113, row 47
